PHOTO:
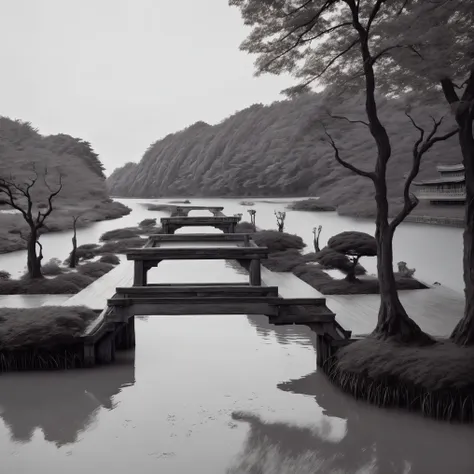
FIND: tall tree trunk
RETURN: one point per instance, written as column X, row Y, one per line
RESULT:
column 351, row 275
column 33, row 260
column 393, row 321
column 463, row 333
column 73, row 255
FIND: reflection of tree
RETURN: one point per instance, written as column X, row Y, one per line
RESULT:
column 62, row 404
column 279, row 448
column 283, row 334
column 377, row 441
column 400, row 442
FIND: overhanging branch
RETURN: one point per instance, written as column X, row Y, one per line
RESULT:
column 420, row 147
column 354, row 169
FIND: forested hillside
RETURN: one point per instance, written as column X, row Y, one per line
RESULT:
column 25, row 153
column 279, row 150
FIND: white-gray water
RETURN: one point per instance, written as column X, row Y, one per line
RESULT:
column 223, row 394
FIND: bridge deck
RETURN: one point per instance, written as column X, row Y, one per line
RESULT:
column 197, row 253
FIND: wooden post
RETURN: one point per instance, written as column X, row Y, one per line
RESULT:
column 255, row 272
column 130, row 333
column 139, row 278
column 106, row 349
column 89, row 355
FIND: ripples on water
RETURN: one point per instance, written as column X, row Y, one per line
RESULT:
column 214, row 394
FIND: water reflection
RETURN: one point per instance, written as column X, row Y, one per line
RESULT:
column 61, row 410
column 283, row 334
column 376, row 441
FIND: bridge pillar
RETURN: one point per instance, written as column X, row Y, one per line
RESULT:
column 89, row 355
column 255, row 274
column 130, row 333
column 140, row 273
column 106, row 349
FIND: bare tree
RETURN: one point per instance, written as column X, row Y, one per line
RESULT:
column 353, row 245
column 316, row 234
column 280, row 217
column 73, row 255
column 19, row 197
column 393, row 320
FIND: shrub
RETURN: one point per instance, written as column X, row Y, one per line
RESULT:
column 87, row 246
column 80, row 281
column 67, row 283
column 437, row 380
column 330, row 259
column 4, row 275
column 110, row 258
column 314, row 205
column 315, row 276
column 170, row 208
column 52, row 268
column 244, row 228
column 121, row 246
column 95, row 269
column 353, row 245
column 284, row 261
column 120, row 234
column 45, row 326
column 147, row 223
column 84, row 252
column 277, row 241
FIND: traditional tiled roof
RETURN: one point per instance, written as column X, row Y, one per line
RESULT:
column 448, row 168
column 445, row 180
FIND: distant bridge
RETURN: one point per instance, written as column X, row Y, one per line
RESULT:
column 126, row 292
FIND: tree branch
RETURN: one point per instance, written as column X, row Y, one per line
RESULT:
column 342, row 117
column 42, row 216
column 374, row 13
column 410, row 200
column 344, row 163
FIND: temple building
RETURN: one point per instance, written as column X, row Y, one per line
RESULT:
column 449, row 188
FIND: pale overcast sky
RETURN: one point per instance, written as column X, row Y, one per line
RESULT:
column 124, row 73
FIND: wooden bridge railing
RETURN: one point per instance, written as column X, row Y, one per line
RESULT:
column 147, row 258
column 225, row 223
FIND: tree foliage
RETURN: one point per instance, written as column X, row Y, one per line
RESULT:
column 277, row 150
column 22, row 148
column 353, row 245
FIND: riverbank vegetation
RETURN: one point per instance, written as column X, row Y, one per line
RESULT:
column 92, row 262
column 51, row 161
column 437, row 380
column 367, row 53
column 41, row 338
column 315, row 268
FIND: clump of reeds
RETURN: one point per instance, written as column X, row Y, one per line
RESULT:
column 41, row 360
column 436, row 380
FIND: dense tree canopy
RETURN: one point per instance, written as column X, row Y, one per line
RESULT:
column 24, row 153
column 276, row 150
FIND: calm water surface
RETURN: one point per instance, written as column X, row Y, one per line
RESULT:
column 223, row 394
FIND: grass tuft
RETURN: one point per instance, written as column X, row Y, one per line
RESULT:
column 147, row 223
column 120, row 234
column 52, row 268
column 95, row 269
column 437, row 380
column 277, row 241
column 4, row 275
column 314, row 205
column 121, row 246
column 110, row 258
column 43, row 327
